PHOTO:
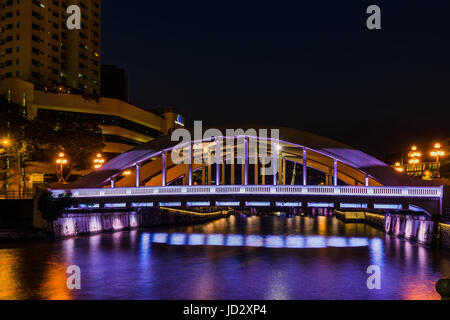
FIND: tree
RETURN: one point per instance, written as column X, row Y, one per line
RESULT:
column 79, row 140
column 13, row 128
column 42, row 138
column 53, row 208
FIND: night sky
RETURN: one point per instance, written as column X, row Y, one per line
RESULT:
column 310, row 66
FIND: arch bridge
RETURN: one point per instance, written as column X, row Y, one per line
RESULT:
column 239, row 167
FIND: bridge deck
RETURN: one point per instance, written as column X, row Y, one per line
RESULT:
column 408, row 192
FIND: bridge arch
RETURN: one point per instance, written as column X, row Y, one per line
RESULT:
column 151, row 164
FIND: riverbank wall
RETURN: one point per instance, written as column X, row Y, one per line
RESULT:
column 444, row 233
column 89, row 223
column 414, row 227
column 85, row 223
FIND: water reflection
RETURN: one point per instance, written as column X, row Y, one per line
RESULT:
column 236, row 258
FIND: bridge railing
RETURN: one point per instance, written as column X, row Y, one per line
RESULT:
column 411, row 192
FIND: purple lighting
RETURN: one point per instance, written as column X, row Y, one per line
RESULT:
column 260, row 241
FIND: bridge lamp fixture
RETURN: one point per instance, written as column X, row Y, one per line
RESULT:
column 279, row 147
column 127, row 173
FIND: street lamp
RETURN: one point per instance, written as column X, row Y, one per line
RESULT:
column 6, row 144
column 62, row 161
column 398, row 167
column 414, row 157
column 438, row 154
column 99, row 161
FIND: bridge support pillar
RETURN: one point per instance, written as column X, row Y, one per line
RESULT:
column 305, row 168
column 367, row 181
column 113, row 183
column 191, row 175
column 335, row 173
column 218, row 160
column 256, row 168
column 275, row 162
column 138, row 175
column 246, row 162
column 164, row 168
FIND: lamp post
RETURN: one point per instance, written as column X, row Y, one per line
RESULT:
column 61, row 161
column 438, row 154
column 414, row 157
column 6, row 143
column 99, row 161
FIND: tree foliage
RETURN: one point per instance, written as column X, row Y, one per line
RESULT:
column 53, row 208
column 80, row 141
column 42, row 138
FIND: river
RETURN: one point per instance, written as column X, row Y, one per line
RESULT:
column 269, row 257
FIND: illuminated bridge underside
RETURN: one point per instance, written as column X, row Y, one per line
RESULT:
column 152, row 174
column 394, row 198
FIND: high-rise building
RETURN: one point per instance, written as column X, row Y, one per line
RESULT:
column 114, row 82
column 36, row 46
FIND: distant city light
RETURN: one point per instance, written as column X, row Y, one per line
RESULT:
column 5, row 142
column 398, row 167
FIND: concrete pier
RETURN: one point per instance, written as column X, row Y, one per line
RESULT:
column 413, row 227
column 74, row 224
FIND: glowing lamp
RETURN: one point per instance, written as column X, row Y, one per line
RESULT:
column 437, row 153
